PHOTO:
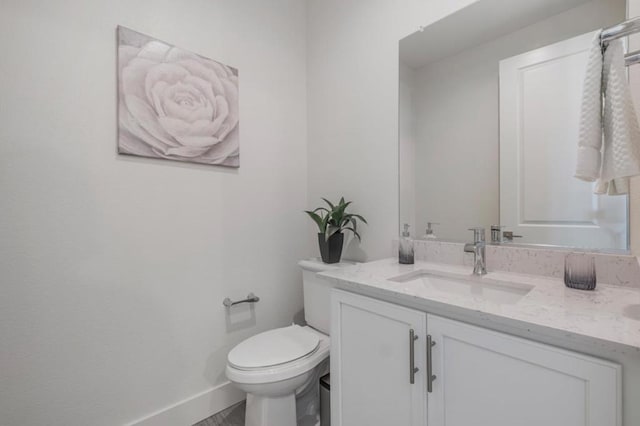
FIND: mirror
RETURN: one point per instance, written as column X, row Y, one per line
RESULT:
column 489, row 107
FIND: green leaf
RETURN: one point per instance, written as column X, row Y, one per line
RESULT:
column 330, row 203
column 321, row 209
column 331, row 230
column 317, row 219
column 358, row 216
column 348, row 228
column 338, row 214
column 325, row 223
column 350, row 217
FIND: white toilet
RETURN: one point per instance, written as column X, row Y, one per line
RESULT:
column 274, row 366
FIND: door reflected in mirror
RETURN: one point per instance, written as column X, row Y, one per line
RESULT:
column 489, row 118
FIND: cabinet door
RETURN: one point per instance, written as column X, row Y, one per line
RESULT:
column 486, row 378
column 370, row 363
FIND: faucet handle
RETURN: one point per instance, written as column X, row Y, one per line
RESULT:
column 496, row 233
column 508, row 235
column 478, row 234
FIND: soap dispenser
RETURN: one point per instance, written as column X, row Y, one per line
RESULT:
column 429, row 235
column 406, row 247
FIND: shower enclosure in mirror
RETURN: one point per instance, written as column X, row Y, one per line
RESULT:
column 489, row 117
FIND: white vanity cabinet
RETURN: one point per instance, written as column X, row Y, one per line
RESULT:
column 482, row 377
column 371, row 354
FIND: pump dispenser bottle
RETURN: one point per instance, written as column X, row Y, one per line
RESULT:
column 406, row 247
column 428, row 234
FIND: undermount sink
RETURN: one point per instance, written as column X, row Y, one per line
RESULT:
column 469, row 286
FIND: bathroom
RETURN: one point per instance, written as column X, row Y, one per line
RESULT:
column 115, row 266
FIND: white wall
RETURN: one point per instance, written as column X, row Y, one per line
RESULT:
column 456, row 104
column 114, row 268
column 407, row 147
column 353, row 106
column 456, row 161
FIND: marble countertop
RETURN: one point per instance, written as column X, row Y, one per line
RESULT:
column 608, row 316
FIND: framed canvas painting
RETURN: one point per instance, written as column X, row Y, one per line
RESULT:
column 174, row 104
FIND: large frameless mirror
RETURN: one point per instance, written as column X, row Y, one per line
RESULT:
column 489, row 118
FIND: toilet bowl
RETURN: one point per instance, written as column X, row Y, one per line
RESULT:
column 276, row 366
column 271, row 367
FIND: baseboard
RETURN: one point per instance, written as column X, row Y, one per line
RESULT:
column 194, row 409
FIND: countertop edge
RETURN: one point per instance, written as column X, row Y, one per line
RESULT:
column 547, row 334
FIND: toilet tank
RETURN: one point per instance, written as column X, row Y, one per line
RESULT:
column 317, row 292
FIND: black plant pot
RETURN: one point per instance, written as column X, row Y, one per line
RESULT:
column 331, row 249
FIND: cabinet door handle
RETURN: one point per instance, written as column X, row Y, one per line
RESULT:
column 412, row 357
column 430, row 376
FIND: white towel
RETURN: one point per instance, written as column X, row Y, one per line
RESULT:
column 588, row 164
column 621, row 150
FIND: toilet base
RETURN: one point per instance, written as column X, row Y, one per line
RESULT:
column 270, row 411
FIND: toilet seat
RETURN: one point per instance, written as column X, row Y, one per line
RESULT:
column 284, row 370
column 273, row 347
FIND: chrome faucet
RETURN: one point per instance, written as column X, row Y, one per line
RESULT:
column 477, row 248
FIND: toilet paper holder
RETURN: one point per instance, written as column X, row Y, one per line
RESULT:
column 251, row 298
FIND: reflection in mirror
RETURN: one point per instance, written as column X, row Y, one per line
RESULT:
column 489, row 114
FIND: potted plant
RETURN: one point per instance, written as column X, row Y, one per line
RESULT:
column 331, row 221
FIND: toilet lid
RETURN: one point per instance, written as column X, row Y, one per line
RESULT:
column 274, row 347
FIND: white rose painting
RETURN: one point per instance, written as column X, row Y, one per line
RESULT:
column 174, row 104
